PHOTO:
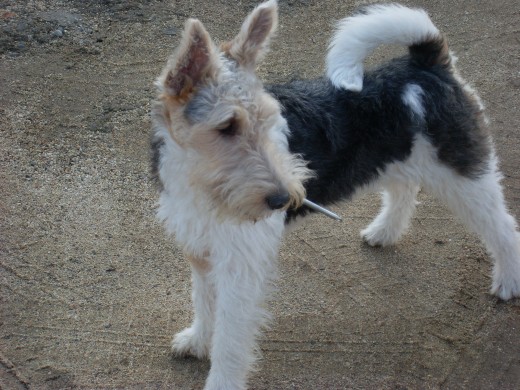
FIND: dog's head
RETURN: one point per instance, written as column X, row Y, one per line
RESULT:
column 232, row 130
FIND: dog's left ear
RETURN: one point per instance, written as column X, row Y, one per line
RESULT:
column 252, row 42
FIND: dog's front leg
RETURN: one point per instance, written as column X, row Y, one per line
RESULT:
column 196, row 339
column 241, row 289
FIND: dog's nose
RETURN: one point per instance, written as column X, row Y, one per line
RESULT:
column 278, row 200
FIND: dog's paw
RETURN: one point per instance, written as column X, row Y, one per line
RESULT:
column 379, row 236
column 506, row 285
column 189, row 343
column 219, row 380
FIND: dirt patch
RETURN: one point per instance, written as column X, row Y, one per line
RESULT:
column 91, row 288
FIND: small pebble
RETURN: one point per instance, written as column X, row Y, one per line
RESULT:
column 57, row 33
column 170, row 31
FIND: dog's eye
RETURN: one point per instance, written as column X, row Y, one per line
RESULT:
column 229, row 129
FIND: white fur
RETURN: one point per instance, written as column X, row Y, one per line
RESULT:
column 196, row 340
column 398, row 208
column 243, row 259
column 413, row 98
column 357, row 36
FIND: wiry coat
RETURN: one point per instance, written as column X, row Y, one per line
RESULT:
column 235, row 161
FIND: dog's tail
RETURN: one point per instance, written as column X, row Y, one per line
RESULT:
column 357, row 36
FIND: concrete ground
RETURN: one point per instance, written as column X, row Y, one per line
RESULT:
column 92, row 290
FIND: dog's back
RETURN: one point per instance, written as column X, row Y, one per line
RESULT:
column 349, row 126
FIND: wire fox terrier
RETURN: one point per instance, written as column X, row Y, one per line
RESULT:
column 235, row 160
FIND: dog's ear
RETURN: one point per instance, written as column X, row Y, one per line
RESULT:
column 193, row 64
column 252, row 42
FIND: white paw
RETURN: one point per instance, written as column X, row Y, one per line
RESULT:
column 506, row 285
column 187, row 343
column 379, row 236
column 224, row 381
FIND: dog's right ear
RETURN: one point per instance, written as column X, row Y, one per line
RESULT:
column 194, row 62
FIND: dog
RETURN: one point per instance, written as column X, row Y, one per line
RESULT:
column 235, row 160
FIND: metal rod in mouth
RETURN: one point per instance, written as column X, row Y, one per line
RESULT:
column 322, row 210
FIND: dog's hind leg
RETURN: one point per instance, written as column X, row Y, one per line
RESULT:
column 479, row 203
column 393, row 220
column 196, row 339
